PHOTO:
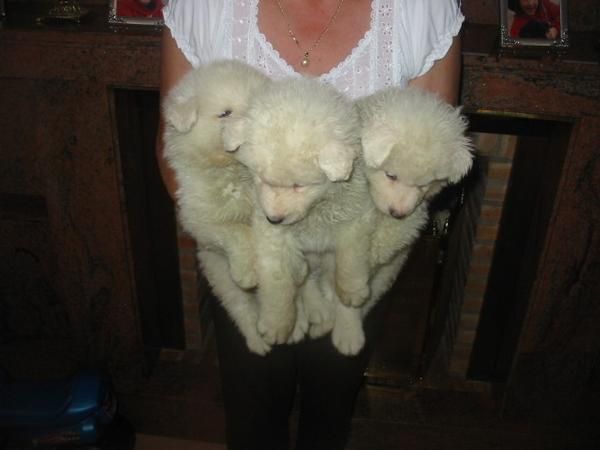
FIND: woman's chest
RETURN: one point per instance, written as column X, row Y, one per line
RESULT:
column 314, row 37
column 355, row 52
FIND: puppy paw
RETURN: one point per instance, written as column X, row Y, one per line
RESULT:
column 257, row 345
column 299, row 331
column 348, row 340
column 320, row 314
column 320, row 317
column 276, row 328
column 301, row 325
column 316, row 330
column 354, row 296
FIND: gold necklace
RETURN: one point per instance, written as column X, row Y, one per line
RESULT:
column 306, row 58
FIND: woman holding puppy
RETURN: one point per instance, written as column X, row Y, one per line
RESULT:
column 359, row 47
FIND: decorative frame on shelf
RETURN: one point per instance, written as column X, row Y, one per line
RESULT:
column 136, row 12
column 538, row 23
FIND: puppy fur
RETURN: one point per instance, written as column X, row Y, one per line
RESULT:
column 215, row 192
column 299, row 138
column 413, row 144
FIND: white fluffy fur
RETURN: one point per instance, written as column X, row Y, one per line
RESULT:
column 299, row 138
column 413, row 145
column 283, row 208
column 215, row 192
column 415, row 137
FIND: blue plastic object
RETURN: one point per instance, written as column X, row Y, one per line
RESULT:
column 52, row 413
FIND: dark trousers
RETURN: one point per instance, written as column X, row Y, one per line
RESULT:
column 259, row 390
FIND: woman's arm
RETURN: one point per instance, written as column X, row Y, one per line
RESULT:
column 173, row 66
column 444, row 76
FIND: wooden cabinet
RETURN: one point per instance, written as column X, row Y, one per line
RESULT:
column 61, row 174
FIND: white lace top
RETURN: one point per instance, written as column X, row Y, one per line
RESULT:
column 404, row 40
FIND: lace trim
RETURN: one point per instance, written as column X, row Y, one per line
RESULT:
column 333, row 72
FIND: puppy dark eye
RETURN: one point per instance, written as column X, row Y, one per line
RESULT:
column 391, row 177
column 225, row 113
column 297, row 187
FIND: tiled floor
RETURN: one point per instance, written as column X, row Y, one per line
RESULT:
column 182, row 400
column 386, row 419
column 150, row 442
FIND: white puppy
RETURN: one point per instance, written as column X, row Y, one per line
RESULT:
column 413, row 144
column 299, row 138
column 215, row 191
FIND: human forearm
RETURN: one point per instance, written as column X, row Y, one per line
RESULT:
column 444, row 77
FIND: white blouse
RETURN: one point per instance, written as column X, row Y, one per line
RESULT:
column 404, row 40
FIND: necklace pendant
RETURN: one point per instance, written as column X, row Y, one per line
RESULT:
column 305, row 61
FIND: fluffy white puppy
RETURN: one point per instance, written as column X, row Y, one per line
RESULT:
column 215, row 191
column 413, row 144
column 299, row 138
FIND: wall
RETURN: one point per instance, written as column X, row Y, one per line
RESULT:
column 584, row 15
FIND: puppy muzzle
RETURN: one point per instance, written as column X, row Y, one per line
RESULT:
column 275, row 220
column 397, row 214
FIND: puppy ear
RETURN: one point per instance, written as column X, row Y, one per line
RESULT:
column 336, row 160
column 376, row 147
column 461, row 161
column 462, row 147
column 234, row 132
column 180, row 111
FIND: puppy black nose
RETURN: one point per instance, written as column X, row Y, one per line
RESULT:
column 396, row 214
column 275, row 220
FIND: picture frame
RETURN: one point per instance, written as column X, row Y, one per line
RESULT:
column 531, row 24
column 136, row 12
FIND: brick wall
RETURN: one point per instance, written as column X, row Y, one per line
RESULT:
column 477, row 230
column 191, row 291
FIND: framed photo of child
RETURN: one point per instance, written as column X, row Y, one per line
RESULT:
column 136, row 12
column 535, row 23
